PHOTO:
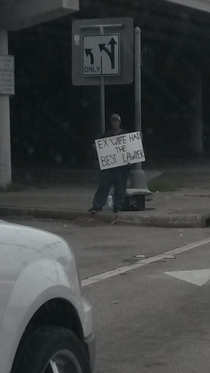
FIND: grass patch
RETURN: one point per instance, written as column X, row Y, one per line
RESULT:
column 11, row 187
column 161, row 185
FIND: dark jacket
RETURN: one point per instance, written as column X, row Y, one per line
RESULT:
column 110, row 133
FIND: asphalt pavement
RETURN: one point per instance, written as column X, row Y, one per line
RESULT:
column 187, row 206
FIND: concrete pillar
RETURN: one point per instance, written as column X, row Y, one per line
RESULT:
column 189, row 88
column 196, row 126
column 5, row 147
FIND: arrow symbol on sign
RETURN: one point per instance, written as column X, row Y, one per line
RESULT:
column 89, row 53
column 110, row 54
column 112, row 43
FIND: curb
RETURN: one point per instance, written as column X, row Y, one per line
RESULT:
column 43, row 213
column 165, row 221
column 161, row 221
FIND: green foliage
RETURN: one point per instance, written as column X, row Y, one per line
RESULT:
column 11, row 187
column 161, row 185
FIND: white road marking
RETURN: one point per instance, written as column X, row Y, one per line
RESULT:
column 141, row 263
column 196, row 277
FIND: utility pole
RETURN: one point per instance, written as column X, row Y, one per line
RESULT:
column 138, row 178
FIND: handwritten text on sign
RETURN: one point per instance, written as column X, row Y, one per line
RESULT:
column 120, row 150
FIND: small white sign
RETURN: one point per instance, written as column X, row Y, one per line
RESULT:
column 7, row 85
column 120, row 150
column 101, row 55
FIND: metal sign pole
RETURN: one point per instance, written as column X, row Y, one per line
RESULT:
column 138, row 83
column 102, row 96
column 138, row 178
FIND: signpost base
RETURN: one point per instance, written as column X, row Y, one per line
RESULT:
column 138, row 181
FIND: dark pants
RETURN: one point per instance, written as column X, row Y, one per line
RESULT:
column 116, row 177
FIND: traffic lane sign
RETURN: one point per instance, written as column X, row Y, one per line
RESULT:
column 101, row 55
column 81, row 28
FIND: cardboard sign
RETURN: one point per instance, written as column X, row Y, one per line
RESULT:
column 120, row 150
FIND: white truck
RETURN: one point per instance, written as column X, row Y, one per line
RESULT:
column 45, row 322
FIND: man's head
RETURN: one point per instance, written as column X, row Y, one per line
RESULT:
column 115, row 122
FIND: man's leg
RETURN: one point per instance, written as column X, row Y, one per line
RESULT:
column 101, row 195
column 120, row 184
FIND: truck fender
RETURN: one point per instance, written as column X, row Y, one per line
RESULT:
column 39, row 282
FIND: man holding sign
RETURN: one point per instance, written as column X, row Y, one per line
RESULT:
column 111, row 173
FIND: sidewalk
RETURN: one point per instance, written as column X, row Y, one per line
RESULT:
column 188, row 206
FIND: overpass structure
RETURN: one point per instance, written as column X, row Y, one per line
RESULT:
column 20, row 14
column 203, row 5
column 16, row 15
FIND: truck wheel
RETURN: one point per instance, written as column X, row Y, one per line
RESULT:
column 52, row 349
